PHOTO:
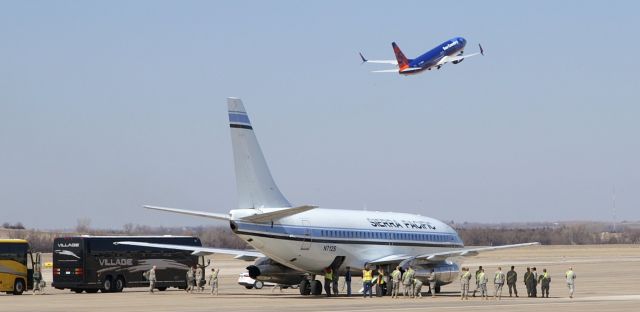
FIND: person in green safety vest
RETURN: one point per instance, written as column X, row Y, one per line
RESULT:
column 328, row 280
column 545, row 280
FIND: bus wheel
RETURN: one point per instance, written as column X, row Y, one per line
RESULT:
column 18, row 287
column 77, row 291
column 106, row 285
column 118, row 286
column 162, row 288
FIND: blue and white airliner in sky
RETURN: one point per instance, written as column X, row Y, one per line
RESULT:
column 451, row 50
column 293, row 242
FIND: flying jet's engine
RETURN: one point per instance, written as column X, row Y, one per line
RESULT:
column 458, row 61
column 268, row 270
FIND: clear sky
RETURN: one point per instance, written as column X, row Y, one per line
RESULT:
column 109, row 105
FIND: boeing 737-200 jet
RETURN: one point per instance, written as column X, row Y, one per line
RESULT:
column 449, row 51
column 293, row 242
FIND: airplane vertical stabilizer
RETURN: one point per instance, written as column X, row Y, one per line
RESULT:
column 256, row 188
column 403, row 62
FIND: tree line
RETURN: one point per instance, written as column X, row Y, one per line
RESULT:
column 578, row 233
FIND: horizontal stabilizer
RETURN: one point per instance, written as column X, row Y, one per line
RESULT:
column 278, row 214
column 199, row 251
column 219, row 216
column 386, row 71
column 364, row 60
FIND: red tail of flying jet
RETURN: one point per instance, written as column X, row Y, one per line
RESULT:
column 403, row 62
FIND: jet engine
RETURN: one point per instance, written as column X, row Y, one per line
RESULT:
column 446, row 272
column 267, row 270
column 458, row 61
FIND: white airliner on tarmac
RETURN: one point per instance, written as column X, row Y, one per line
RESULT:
column 296, row 240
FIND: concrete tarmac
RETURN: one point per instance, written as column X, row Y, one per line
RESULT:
column 607, row 280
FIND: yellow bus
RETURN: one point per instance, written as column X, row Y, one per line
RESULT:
column 16, row 266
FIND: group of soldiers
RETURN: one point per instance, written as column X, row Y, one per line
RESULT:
column 195, row 279
column 411, row 286
column 531, row 281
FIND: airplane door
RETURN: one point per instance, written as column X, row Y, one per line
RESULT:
column 306, row 242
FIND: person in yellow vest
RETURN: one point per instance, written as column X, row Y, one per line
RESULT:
column 381, row 283
column 545, row 281
column 367, row 278
column 328, row 280
column 477, row 281
column 465, row 279
column 482, row 281
column 571, row 277
column 395, row 278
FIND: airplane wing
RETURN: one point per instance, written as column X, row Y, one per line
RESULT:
column 447, row 59
column 385, row 71
column 199, row 251
column 392, row 62
column 219, row 216
column 442, row 256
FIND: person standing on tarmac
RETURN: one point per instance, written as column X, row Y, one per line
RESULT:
column 534, row 283
column 380, row 283
column 528, row 277
column 199, row 279
column 432, row 283
column 407, row 282
column 482, row 280
column 465, row 278
column 213, row 280
column 191, row 280
column 498, row 282
column 418, row 288
column 152, row 279
column 347, row 281
column 328, row 280
column 571, row 278
column 545, row 281
column 477, row 281
column 367, row 278
column 395, row 279
column 37, row 279
column 512, row 278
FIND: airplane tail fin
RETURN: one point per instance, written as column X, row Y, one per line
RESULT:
column 403, row 62
column 254, row 183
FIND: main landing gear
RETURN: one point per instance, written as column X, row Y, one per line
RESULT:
column 310, row 287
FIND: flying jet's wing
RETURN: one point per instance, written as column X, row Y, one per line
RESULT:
column 219, row 216
column 447, row 59
column 392, row 62
column 199, row 251
column 385, row 71
column 442, row 256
